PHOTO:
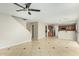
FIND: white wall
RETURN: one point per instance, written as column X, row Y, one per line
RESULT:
column 21, row 21
column 29, row 27
column 41, row 30
column 77, row 30
column 67, row 35
column 56, row 30
column 12, row 32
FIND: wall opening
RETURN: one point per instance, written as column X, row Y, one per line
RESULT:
column 45, row 31
column 51, row 32
column 32, row 31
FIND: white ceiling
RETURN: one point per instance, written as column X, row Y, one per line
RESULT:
column 50, row 12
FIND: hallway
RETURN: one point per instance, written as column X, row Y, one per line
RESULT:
column 43, row 47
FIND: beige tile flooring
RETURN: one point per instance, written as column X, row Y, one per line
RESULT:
column 43, row 47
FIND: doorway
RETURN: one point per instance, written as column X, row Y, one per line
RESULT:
column 45, row 31
column 32, row 31
column 51, row 32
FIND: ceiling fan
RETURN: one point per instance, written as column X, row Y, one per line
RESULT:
column 26, row 8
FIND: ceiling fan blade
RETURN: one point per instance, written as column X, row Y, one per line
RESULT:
column 21, row 10
column 29, row 13
column 19, row 5
column 34, row 10
column 28, row 5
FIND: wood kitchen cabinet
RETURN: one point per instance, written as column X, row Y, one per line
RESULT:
column 71, row 27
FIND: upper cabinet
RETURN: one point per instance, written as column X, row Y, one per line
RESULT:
column 71, row 27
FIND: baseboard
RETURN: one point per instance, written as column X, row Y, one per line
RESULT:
column 11, row 45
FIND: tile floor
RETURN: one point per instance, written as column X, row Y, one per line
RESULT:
column 43, row 47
